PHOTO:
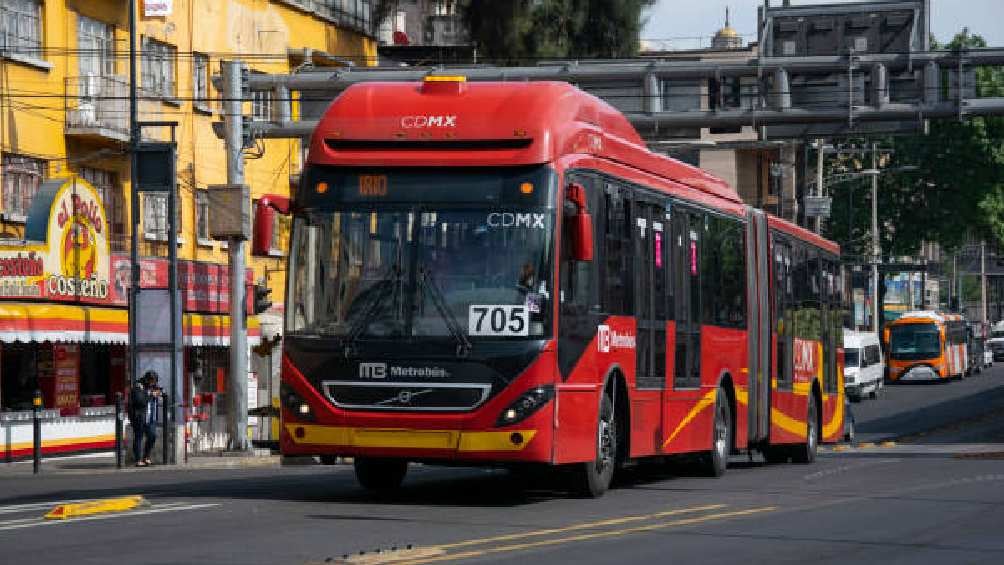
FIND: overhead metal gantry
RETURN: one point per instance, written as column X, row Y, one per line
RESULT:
column 870, row 88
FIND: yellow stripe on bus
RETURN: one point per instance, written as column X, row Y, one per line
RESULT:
column 399, row 438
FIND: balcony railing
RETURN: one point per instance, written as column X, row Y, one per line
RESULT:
column 97, row 106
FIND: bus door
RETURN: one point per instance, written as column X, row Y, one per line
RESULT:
column 782, row 327
column 650, row 290
column 759, row 310
column 687, row 229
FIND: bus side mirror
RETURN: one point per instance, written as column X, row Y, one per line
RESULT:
column 582, row 224
column 264, row 222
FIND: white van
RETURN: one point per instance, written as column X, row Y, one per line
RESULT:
column 864, row 367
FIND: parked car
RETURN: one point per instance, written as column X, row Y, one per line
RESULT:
column 864, row 367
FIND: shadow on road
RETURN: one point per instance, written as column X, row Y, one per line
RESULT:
column 424, row 486
column 911, row 420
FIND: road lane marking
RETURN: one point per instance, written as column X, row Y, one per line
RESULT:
column 588, row 536
column 172, row 507
column 583, row 526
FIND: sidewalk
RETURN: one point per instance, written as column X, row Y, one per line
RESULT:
column 104, row 462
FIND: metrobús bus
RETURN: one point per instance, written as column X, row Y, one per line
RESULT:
column 926, row 346
column 502, row 273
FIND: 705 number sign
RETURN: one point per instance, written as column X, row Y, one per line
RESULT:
column 498, row 320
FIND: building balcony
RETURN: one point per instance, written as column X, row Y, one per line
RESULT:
column 97, row 108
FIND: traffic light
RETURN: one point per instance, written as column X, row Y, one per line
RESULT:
column 261, row 298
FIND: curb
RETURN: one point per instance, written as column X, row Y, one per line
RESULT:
column 92, row 507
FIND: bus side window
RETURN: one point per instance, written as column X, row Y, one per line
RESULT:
column 617, row 251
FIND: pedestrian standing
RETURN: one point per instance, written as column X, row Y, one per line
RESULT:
column 143, row 400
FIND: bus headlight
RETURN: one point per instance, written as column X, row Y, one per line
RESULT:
column 524, row 406
column 295, row 403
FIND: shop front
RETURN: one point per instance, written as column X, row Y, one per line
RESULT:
column 64, row 326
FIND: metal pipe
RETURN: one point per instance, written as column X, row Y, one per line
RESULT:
column 119, row 416
column 710, row 68
column 730, row 118
column 36, row 432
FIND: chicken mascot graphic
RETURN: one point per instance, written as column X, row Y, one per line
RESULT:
column 80, row 250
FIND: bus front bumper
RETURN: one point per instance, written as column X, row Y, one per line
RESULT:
column 919, row 373
column 459, row 445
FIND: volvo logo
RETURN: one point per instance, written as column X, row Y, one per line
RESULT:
column 404, row 397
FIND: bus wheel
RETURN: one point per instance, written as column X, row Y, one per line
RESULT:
column 593, row 478
column 380, row 474
column 716, row 461
column 806, row 452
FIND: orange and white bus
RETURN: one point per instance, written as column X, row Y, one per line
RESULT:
column 925, row 346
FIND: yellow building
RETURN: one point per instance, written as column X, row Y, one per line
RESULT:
column 64, row 87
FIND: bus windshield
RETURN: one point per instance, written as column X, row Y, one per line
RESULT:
column 915, row 341
column 411, row 271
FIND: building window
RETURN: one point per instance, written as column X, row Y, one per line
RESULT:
column 349, row 13
column 158, row 68
column 97, row 47
column 200, row 81
column 113, row 199
column 202, row 216
column 21, row 178
column 444, row 8
column 155, row 216
column 21, row 32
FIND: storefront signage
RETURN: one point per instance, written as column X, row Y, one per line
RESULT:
column 66, row 257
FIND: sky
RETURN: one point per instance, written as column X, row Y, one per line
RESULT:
column 691, row 23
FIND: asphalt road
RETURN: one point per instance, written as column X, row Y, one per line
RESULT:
column 934, row 497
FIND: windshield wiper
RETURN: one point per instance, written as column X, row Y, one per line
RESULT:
column 426, row 281
column 387, row 283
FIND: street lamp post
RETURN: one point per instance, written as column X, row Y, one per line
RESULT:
column 876, row 242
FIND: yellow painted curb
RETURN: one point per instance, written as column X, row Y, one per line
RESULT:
column 888, row 444
column 104, row 506
column 840, row 448
column 866, row 445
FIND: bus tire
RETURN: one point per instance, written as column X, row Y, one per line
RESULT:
column 805, row 453
column 716, row 461
column 593, row 478
column 380, row 474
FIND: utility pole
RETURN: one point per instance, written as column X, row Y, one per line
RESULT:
column 819, row 181
column 134, row 139
column 983, row 282
column 876, row 242
column 237, row 418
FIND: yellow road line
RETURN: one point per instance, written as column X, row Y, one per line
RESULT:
column 583, row 526
column 590, row 536
column 91, row 507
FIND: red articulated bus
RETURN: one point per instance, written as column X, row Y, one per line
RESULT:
column 503, row 274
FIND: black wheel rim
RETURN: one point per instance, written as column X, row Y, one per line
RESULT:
column 606, row 442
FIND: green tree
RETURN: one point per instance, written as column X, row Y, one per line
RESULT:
column 519, row 31
column 954, row 190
